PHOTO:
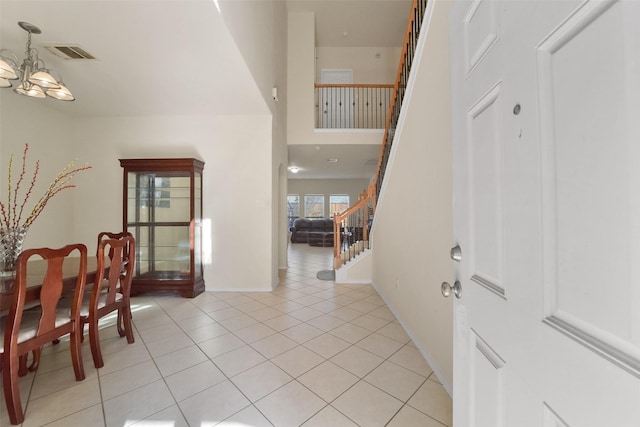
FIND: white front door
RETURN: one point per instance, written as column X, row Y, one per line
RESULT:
column 546, row 149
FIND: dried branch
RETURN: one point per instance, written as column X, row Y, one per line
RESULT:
column 11, row 215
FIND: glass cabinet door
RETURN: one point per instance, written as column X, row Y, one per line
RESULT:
column 197, row 224
column 159, row 216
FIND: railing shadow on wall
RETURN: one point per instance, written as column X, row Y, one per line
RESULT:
column 346, row 245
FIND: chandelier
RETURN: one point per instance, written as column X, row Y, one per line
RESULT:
column 34, row 79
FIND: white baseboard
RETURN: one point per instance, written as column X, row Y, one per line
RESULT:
column 447, row 383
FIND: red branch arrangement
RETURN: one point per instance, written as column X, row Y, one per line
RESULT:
column 11, row 214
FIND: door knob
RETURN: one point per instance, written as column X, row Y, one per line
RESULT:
column 456, row 253
column 447, row 289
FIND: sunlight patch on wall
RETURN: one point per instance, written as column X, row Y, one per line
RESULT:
column 206, row 241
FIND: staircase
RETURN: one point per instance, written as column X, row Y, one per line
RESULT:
column 352, row 227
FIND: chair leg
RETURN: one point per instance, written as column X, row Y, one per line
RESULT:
column 125, row 312
column 11, row 389
column 23, row 359
column 121, row 330
column 76, row 354
column 83, row 322
column 23, row 369
column 36, row 360
column 94, row 340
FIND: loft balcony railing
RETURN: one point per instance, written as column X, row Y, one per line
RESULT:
column 347, row 245
column 352, row 106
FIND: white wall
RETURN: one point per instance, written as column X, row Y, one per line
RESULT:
column 412, row 231
column 300, row 83
column 259, row 28
column 370, row 65
column 352, row 187
column 50, row 138
column 237, row 198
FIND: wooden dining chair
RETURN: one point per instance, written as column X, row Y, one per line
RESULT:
column 111, row 235
column 110, row 292
column 126, row 256
column 28, row 330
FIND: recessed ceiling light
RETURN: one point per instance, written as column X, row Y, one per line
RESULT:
column 332, row 160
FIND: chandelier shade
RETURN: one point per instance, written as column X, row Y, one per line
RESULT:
column 7, row 71
column 33, row 91
column 61, row 93
column 43, row 79
column 35, row 80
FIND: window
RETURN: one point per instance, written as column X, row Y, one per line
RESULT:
column 314, row 205
column 338, row 203
column 293, row 208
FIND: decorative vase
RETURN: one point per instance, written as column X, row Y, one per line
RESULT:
column 11, row 240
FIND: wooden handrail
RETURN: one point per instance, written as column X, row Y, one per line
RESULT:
column 358, row 85
column 396, row 86
column 364, row 199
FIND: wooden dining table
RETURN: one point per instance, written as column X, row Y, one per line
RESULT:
column 36, row 270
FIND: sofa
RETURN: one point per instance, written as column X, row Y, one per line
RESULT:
column 315, row 232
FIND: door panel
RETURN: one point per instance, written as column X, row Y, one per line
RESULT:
column 480, row 30
column 577, row 264
column 546, row 150
column 488, row 384
column 551, row 419
column 486, row 195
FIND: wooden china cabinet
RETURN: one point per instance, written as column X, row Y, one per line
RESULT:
column 162, row 208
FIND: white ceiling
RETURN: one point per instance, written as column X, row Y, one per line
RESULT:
column 153, row 57
column 354, row 161
column 159, row 57
column 367, row 23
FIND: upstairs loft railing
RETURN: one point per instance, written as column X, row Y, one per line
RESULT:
column 352, row 106
column 348, row 244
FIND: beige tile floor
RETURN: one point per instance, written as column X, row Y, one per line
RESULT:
column 311, row 353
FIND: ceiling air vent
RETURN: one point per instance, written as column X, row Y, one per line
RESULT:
column 74, row 52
